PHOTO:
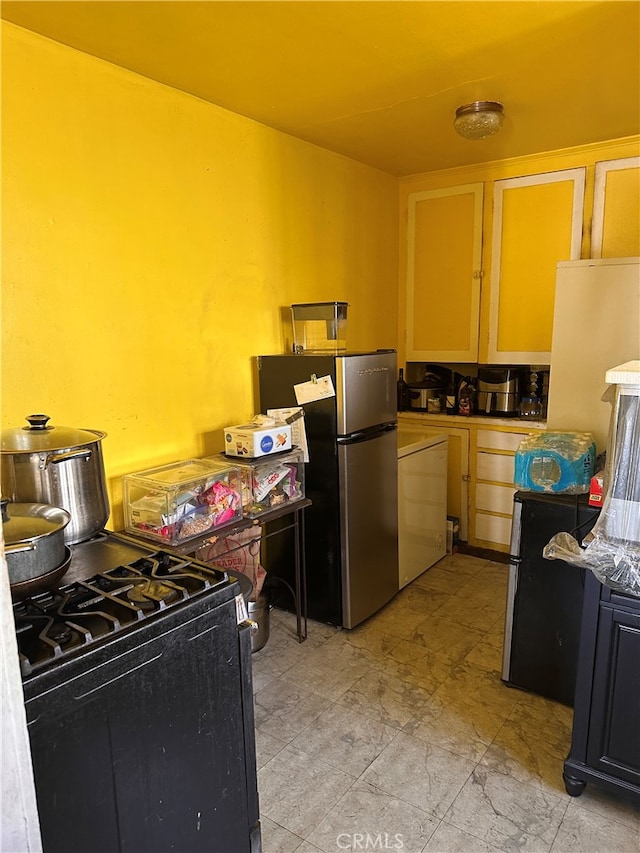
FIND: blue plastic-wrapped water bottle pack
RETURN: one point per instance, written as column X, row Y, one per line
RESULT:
column 555, row 462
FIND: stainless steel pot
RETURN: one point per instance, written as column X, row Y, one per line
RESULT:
column 34, row 539
column 60, row 466
column 259, row 613
column 43, row 583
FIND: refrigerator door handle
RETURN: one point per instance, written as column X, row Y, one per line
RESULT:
column 365, row 434
column 512, row 590
column 512, row 587
column 351, row 439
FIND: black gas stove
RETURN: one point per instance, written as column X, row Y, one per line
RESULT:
column 132, row 582
column 138, row 693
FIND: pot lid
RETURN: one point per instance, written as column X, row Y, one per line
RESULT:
column 26, row 522
column 40, row 436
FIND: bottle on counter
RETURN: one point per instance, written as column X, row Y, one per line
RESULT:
column 530, row 408
column 451, row 398
column 466, row 397
column 403, row 392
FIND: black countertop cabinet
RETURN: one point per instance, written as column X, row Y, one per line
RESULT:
column 605, row 744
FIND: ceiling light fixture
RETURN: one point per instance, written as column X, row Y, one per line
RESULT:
column 479, row 119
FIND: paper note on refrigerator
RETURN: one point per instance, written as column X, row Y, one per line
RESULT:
column 294, row 416
column 315, row 389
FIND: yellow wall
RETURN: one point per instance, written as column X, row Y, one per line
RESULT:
column 487, row 173
column 152, row 241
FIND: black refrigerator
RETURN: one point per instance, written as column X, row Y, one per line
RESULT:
column 544, row 597
column 351, row 528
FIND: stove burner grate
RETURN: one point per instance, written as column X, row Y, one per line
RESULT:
column 63, row 621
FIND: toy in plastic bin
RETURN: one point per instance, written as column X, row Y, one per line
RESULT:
column 555, row 462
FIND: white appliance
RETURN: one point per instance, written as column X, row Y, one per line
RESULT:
column 621, row 512
column 422, row 502
column 596, row 324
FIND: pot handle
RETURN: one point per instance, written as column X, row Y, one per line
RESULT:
column 17, row 547
column 55, row 458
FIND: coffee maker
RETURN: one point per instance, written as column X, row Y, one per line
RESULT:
column 499, row 391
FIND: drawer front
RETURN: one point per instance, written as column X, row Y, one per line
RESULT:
column 495, row 467
column 493, row 439
column 493, row 528
column 495, row 498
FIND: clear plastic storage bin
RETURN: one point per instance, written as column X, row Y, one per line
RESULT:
column 181, row 501
column 319, row 326
column 269, row 481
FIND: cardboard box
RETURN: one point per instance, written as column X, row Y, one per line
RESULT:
column 595, row 489
column 453, row 534
column 253, row 440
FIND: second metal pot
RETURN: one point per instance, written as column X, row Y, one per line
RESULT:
column 34, row 539
column 42, row 583
column 259, row 613
column 60, row 466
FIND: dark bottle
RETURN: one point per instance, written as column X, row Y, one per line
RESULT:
column 403, row 393
column 466, row 397
column 451, row 399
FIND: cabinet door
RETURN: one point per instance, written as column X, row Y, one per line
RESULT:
column 458, row 479
column 614, row 730
column 537, row 221
column 443, row 274
column 615, row 227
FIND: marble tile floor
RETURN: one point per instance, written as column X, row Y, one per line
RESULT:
column 399, row 735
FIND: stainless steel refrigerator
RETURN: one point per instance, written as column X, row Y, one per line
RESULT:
column 351, row 542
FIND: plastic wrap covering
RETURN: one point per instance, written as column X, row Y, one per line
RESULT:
column 612, row 549
column 555, row 462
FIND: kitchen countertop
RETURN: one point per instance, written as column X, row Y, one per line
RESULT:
column 464, row 420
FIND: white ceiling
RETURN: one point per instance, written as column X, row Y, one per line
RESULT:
column 374, row 80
